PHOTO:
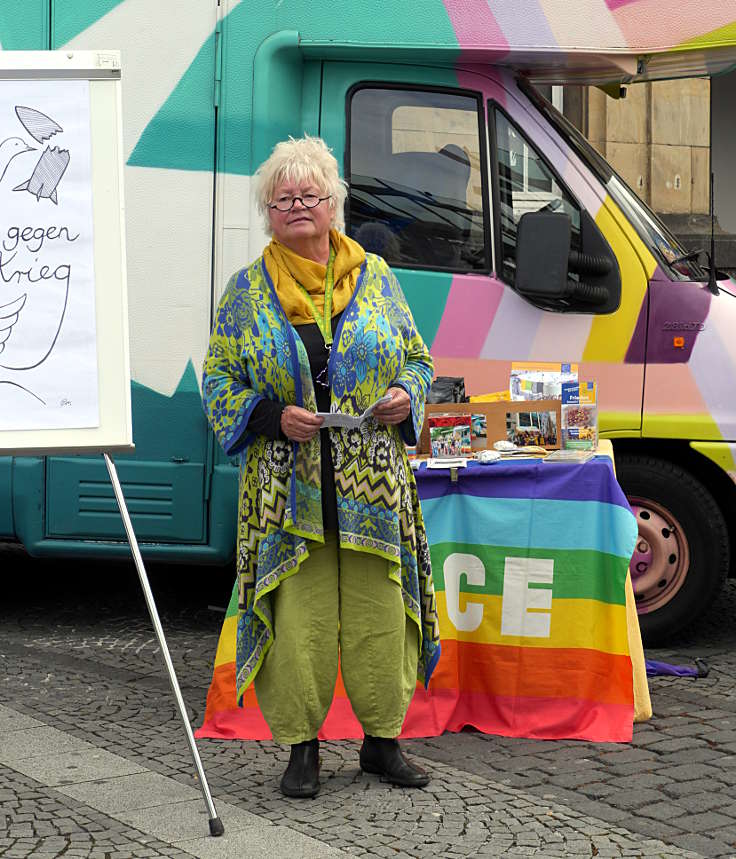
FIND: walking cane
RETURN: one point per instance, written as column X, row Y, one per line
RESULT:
column 216, row 827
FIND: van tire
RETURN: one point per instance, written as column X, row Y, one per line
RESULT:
column 661, row 492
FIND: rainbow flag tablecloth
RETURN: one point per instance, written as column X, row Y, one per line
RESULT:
column 529, row 562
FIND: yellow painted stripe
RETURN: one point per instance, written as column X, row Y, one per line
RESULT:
column 226, row 644
column 698, row 426
column 611, row 334
column 575, row 624
column 722, row 37
column 627, row 423
column 722, row 454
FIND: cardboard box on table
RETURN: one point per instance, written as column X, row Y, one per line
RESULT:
column 495, row 418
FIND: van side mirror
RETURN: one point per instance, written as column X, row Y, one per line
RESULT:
column 543, row 260
column 542, row 252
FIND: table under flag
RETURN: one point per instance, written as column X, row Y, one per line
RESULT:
column 529, row 562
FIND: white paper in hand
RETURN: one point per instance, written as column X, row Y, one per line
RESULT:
column 338, row 419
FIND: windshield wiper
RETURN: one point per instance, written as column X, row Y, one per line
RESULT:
column 693, row 255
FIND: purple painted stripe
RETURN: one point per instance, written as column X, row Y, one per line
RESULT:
column 617, row 4
column 523, row 25
column 678, row 312
column 590, row 481
column 637, row 351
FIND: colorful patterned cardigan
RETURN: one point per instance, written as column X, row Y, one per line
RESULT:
column 254, row 353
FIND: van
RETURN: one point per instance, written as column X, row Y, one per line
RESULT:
column 512, row 237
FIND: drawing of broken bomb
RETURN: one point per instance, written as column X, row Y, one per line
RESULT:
column 47, row 174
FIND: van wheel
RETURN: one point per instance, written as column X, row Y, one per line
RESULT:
column 681, row 556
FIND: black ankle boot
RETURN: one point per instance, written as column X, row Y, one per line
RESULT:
column 384, row 757
column 301, row 778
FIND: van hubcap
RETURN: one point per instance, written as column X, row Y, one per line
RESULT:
column 661, row 558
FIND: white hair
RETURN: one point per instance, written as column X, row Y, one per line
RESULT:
column 302, row 160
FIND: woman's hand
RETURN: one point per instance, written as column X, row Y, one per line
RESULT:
column 396, row 410
column 298, row 424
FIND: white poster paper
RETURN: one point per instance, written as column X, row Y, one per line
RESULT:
column 48, row 346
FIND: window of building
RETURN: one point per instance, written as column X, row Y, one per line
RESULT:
column 525, row 184
column 417, row 186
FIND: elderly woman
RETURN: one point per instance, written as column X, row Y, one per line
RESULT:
column 332, row 555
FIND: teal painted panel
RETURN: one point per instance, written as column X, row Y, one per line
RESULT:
column 311, row 97
column 7, row 528
column 28, row 486
column 374, row 28
column 426, row 292
column 166, row 427
column 181, row 136
column 165, row 500
column 278, row 81
column 24, row 25
column 71, row 17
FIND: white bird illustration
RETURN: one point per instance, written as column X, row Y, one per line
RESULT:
column 9, row 314
column 9, row 148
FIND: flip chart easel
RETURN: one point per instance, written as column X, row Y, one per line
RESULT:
column 64, row 354
column 216, row 827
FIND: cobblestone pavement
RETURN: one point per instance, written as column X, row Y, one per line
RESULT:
column 83, row 685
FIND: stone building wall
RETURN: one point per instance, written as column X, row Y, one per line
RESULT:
column 658, row 140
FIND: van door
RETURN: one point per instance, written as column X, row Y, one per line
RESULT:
column 442, row 164
column 169, row 152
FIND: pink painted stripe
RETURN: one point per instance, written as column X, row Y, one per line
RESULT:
column 488, row 81
column 474, row 24
column 673, row 389
column 462, row 333
column 620, row 388
column 481, row 376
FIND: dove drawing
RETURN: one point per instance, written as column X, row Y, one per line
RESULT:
column 8, row 150
column 37, row 124
column 9, row 314
column 46, row 174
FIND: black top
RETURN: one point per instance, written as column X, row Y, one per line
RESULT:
column 265, row 419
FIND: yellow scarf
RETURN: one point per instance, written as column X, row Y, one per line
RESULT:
column 287, row 268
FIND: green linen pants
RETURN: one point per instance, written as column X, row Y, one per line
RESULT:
column 342, row 600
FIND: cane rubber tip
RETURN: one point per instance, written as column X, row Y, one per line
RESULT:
column 216, row 827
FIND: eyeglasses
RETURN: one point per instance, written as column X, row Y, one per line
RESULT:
column 286, row 203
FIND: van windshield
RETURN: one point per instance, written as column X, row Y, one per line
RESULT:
column 666, row 249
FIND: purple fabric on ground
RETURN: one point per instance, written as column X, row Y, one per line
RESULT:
column 659, row 669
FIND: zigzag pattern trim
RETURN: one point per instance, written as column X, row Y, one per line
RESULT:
column 361, row 484
column 272, row 505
